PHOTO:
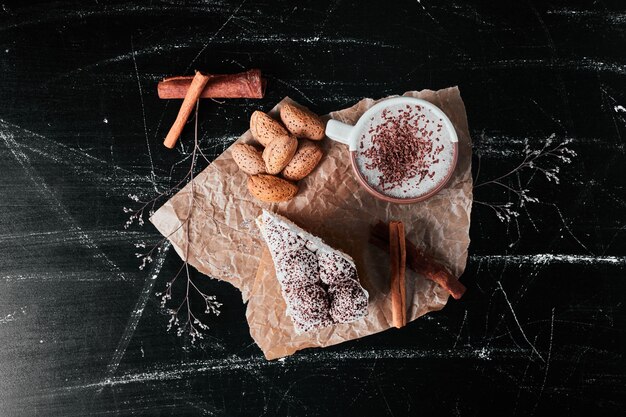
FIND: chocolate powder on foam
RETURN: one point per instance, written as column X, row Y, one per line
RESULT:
column 402, row 147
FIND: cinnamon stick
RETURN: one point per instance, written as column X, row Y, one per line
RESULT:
column 420, row 262
column 248, row 84
column 397, row 254
column 193, row 94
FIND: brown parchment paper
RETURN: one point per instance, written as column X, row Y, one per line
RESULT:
column 225, row 243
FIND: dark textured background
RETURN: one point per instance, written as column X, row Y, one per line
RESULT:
column 541, row 329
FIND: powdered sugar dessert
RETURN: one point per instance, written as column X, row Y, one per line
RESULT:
column 319, row 284
column 405, row 151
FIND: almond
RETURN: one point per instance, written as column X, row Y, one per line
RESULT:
column 265, row 129
column 308, row 155
column 270, row 188
column 248, row 158
column 278, row 153
column 302, row 122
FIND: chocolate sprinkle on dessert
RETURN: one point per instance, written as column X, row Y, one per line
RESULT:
column 335, row 269
column 319, row 284
column 299, row 268
column 282, row 238
column 347, row 302
column 308, row 304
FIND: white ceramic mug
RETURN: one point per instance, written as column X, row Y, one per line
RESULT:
column 350, row 135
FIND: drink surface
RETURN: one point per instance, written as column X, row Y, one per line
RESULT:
column 404, row 151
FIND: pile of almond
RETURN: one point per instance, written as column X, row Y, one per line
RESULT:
column 290, row 152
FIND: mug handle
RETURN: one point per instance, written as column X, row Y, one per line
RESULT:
column 339, row 132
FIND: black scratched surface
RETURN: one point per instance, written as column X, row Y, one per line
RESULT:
column 541, row 328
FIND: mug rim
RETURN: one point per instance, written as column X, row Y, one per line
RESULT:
column 387, row 103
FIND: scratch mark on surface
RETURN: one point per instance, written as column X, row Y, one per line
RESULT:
column 468, row 11
column 369, row 377
column 65, row 15
column 63, row 236
column 506, row 298
column 242, row 38
column 458, row 336
column 55, row 203
column 545, row 374
column 428, row 13
column 584, row 64
column 49, row 147
column 317, row 39
column 499, row 145
column 544, row 27
column 137, row 312
column 568, row 229
column 612, row 101
column 59, row 277
column 560, row 85
column 549, row 115
column 606, row 17
column 80, row 162
column 287, row 394
column 382, row 393
column 329, row 13
column 143, row 114
column 520, row 384
column 232, row 15
column 177, row 371
column 294, row 88
column 551, row 258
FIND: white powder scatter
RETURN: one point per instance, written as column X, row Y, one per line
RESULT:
column 254, row 364
column 8, row 318
column 591, row 17
column 483, row 353
column 12, row 316
column 549, row 258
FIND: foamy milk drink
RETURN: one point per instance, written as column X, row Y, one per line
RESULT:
column 403, row 149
